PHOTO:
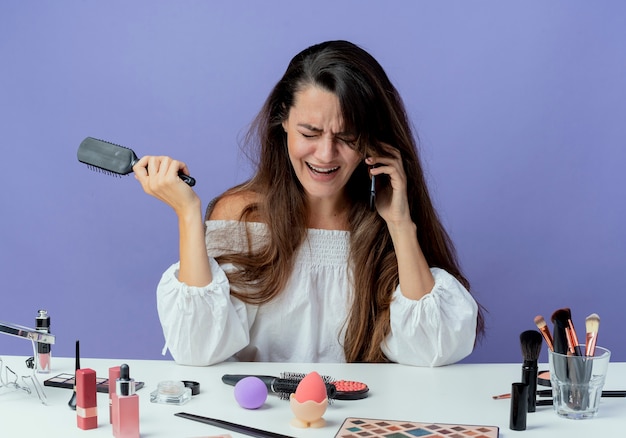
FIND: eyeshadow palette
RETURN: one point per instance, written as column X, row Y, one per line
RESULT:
column 68, row 381
column 373, row 428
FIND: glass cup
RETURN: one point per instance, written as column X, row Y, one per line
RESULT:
column 577, row 382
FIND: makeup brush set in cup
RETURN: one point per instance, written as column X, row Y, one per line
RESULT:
column 577, row 371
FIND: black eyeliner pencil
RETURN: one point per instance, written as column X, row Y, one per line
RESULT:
column 72, row 402
column 240, row 428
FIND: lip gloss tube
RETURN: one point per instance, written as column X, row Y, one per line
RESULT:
column 42, row 324
column 86, row 400
column 125, row 406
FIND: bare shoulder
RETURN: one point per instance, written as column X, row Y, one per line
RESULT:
column 231, row 205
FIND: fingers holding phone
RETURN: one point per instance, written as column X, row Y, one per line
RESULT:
column 388, row 194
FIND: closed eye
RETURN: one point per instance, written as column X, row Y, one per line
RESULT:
column 350, row 142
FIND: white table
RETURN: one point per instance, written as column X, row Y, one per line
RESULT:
column 453, row 394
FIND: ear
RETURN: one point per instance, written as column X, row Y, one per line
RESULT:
column 284, row 123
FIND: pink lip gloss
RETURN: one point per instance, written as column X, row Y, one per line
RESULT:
column 125, row 406
column 86, row 400
column 42, row 324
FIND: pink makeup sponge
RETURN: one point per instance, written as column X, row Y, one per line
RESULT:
column 309, row 402
column 250, row 392
column 312, row 387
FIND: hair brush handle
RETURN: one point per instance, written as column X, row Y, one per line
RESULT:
column 187, row 179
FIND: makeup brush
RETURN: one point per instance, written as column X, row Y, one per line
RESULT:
column 613, row 393
column 239, row 428
column 574, row 339
column 592, row 324
column 530, row 341
column 561, row 340
column 540, row 322
column 72, row 402
column 564, row 319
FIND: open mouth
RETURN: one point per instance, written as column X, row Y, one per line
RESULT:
column 322, row 171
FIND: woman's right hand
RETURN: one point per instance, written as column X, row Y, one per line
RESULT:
column 158, row 176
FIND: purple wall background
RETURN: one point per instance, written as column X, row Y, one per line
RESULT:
column 520, row 107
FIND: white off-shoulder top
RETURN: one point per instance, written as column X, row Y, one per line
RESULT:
column 206, row 325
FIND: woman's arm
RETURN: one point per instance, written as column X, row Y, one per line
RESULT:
column 439, row 329
column 202, row 325
column 159, row 177
column 201, row 322
column 415, row 277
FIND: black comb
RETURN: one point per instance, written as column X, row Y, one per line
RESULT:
column 112, row 158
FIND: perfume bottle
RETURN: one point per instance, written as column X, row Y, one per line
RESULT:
column 125, row 406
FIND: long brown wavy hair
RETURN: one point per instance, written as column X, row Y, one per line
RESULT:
column 371, row 106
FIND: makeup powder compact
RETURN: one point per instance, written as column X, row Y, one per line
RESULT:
column 171, row 392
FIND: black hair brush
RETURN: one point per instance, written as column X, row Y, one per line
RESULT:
column 282, row 387
column 530, row 341
column 287, row 383
column 112, row 158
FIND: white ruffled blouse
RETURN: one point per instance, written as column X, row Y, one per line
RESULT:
column 305, row 323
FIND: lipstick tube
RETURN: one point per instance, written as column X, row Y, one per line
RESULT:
column 86, row 400
column 125, row 406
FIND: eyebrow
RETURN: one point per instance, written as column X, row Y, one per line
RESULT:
column 315, row 129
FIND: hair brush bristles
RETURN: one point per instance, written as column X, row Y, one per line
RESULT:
column 337, row 389
column 530, row 341
column 101, row 170
column 300, row 376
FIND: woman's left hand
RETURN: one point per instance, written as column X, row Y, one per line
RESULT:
column 391, row 197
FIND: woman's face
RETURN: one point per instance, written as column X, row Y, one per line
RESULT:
column 321, row 153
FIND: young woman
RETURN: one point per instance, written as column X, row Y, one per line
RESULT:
column 293, row 265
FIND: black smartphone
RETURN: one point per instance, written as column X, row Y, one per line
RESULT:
column 373, row 193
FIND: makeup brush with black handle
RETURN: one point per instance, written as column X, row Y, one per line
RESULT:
column 531, row 341
column 559, row 336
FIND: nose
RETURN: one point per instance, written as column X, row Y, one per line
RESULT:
column 326, row 149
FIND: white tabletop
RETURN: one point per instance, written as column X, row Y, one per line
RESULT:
column 460, row 394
